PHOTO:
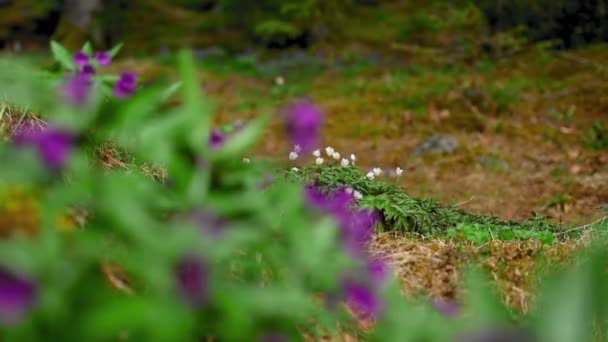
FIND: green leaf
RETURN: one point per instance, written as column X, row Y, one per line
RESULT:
column 195, row 106
column 115, row 50
column 172, row 89
column 62, row 55
column 133, row 113
column 237, row 145
column 88, row 48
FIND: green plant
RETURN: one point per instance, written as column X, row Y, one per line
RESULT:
column 597, row 136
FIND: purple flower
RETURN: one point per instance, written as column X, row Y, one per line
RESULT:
column 377, row 270
column 191, row 277
column 504, row 334
column 53, row 145
column 216, row 139
column 81, row 59
column 447, row 309
column 75, row 89
column 102, row 57
column 17, row 295
column 303, row 125
column 357, row 230
column 125, row 86
column 357, row 226
column 362, row 299
column 88, row 71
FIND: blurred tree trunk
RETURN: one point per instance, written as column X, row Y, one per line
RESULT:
column 75, row 23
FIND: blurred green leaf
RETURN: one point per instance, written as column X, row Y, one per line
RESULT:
column 62, row 55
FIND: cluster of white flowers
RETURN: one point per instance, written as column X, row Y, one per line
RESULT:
column 344, row 162
column 356, row 194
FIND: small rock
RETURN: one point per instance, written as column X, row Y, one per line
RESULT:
column 437, row 143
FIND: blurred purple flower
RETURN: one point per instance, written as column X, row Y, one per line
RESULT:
column 81, row 59
column 191, row 277
column 362, row 299
column 377, row 270
column 102, row 57
column 274, row 337
column 314, row 197
column 504, row 334
column 303, row 125
column 126, row 85
column 17, row 295
column 447, row 309
column 88, row 71
column 357, row 230
column 53, row 145
column 216, row 139
column 75, row 89
column 357, row 226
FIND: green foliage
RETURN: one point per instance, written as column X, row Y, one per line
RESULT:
column 597, row 136
column 569, row 22
column 277, row 21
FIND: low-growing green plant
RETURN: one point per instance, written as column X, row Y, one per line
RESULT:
column 402, row 213
column 597, row 136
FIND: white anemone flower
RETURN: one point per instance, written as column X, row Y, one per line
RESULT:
column 319, row 161
column 398, row 171
column 330, row 151
column 295, row 169
column 317, row 153
column 370, row 175
column 344, row 162
column 377, row 171
column 293, row 155
column 357, row 195
column 336, row 156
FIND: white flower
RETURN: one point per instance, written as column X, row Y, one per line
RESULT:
column 317, row 153
column 279, row 80
column 293, row 156
column 330, row 151
column 295, row 169
column 297, row 149
column 370, row 175
column 344, row 162
column 357, row 195
column 353, row 158
column 377, row 171
column 349, row 191
column 336, row 156
column 398, row 171
column 319, row 161
column 246, row 160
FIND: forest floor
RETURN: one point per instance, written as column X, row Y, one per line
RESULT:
column 530, row 129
